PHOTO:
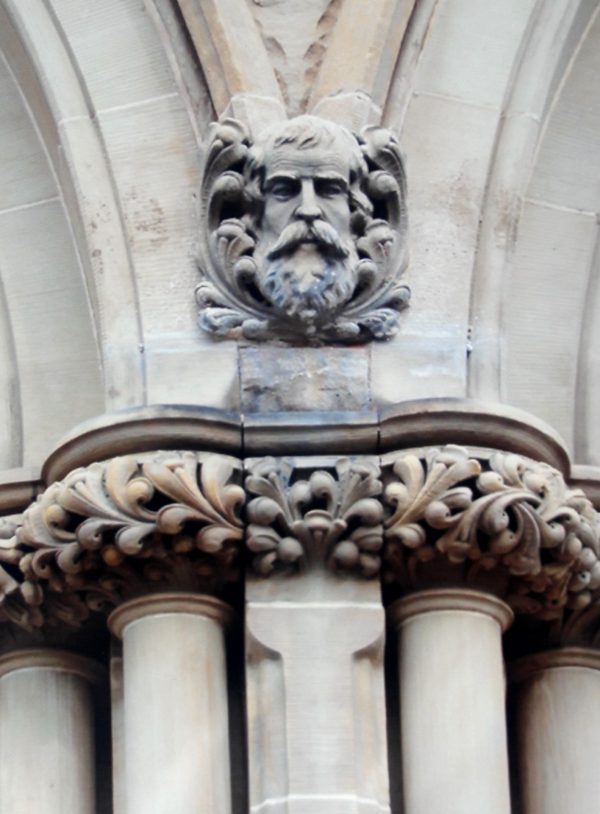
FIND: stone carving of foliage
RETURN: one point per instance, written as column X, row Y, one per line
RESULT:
column 113, row 527
column 19, row 598
column 235, row 299
column 331, row 517
column 506, row 512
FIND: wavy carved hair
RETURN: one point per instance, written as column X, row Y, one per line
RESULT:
column 306, row 133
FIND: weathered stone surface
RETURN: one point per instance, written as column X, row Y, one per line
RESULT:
column 277, row 379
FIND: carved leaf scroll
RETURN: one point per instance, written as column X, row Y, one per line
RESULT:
column 502, row 512
column 331, row 517
column 111, row 527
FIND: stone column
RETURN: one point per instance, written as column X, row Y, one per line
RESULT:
column 47, row 754
column 175, row 704
column 558, row 731
column 452, row 702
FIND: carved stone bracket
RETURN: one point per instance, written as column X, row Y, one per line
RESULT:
column 497, row 519
column 330, row 517
column 112, row 529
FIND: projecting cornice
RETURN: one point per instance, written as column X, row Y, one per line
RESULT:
column 422, row 422
column 118, row 519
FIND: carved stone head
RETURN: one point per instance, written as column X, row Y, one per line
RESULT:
column 305, row 231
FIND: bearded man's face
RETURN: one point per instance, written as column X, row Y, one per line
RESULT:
column 305, row 252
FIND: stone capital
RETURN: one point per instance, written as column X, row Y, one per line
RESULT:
column 122, row 528
column 494, row 521
column 425, row 515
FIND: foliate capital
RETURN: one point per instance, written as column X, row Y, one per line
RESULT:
column 496, row 520
column 436, row 517
column 114, row 529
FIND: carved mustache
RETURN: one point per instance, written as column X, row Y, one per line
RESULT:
column 319, row 232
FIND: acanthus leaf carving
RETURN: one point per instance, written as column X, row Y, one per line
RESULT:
column 502, row 512
column 332, row 518
column 114, row 528
column 302, row 233
column 490, row 520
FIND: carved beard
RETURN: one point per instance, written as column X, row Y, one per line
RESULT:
column 308, row 273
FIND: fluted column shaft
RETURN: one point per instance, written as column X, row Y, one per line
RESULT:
column 176, row 733
column 47, row 754
column 452, row 702
column 558, row 731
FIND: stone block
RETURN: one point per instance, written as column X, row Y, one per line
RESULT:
column 275, row 379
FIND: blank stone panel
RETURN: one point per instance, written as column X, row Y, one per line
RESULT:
column 155, row 164
column 470, row 49
column 58, row 363
column 543, row 310
column 10, row 409
column 24, row 173
column 447, row 145
column 183, row 371
column 419, row 366
column 567, row 171
column 117, row 50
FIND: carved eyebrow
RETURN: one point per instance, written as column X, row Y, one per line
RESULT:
column 280, row 176
column 332, row 177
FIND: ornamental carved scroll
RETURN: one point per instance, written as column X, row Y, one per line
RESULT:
column 114, row 528
column 500, row 513
column 329, row 518
column 302, row 233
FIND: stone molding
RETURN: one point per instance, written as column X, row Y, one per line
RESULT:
column 451, row 599
column 42, row 658
column 416, row 423
column 479, row 518
column 534, row 665
column 164, row 603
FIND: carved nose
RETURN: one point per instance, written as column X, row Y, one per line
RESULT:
column 308, row 208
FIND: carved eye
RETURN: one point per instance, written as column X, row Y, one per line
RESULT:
column 329, row 187
column 283, row 189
